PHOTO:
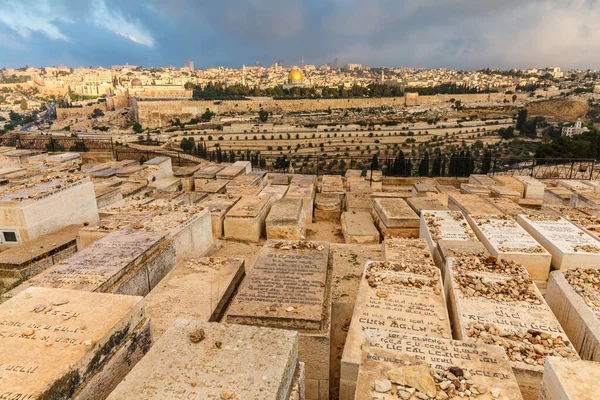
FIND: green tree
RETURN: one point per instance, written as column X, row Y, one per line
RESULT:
column 24, row 104
column 207, row 116
column 263, row 115
column 521, row 118
column 137, row 127
column 424, row 165
column 187, row 145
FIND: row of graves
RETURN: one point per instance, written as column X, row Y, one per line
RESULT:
column 437, row 293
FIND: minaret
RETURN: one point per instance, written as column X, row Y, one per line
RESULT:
column 382, row 78
column 244, row 75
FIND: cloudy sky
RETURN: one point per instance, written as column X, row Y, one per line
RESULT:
column 462, row 34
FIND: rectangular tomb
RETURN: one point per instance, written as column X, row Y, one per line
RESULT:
column 230, row 172
column 402, row 366
column 506, row 239
column 420, row 204
column 209, row 172
column 206, row 360
column 511, row 183
column 124, row 262
column 358, row 202
column 574, row 297
column 219, row 205
column 198, row 289
column 534, row 189
column 394, row 298
column 115, row 222
column 483, row 180
column 210, row 186
column 395, row 218
column 59, row 344
column 407, row 251
column 570, row 380
column 287, row 289
column 471, row 204
column 306, row 192
column 495, row 302
column 444, row 225
column 328, row 207
column 276, row 192
column 246, row 219
column 286, row 220
column 570, row 246
column 358, row 227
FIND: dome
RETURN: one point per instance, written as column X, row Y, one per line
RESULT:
column 136, row 82
column 295, row 75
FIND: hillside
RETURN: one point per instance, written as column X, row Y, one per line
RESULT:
column 558, row 110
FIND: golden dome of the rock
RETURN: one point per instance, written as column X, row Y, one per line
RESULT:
column 295, row 75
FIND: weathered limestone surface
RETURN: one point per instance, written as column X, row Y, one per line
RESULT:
column 202, row 360
column 570, row 246
column 287, row 288
column 483, row 180
column 347, row 263
column 332, row 184
column 450, row 249
column 230, row 172
column 358, row 202
column 54, row 342
column 209, row 172
column 219, row 205
column 466, row 188
column 286, row 220
column 420, row 204
column 395, row 218
column 304, row 190
column 558, row 195
column 574, row 185
column 504, row 192
column 125, row 262
column 505, row 238
column 394, row 298
column 198, row 289
column 275, row 191
column 511, row 183
column 534, row 189
column 407, row 251
column 443, row 225
column 508, row 206
column 574, row 297
column 328, row 207
column 358, row 227
column 246, row 219
column 115, row 222
column 422, row 189
column 570, row 380
column 496, row 302
column 426, row 367
column 471, row 204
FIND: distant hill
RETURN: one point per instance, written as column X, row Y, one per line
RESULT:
column 562, row 110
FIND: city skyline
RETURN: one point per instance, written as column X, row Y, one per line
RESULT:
column 458, row 34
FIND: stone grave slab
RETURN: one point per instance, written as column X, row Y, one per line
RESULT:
column 504, row 192
column 570, row 246
column 58, row 344
column 419, row 204
column 353, row 173
column 425, row 367
column 230, row 172
column 407, row 251
column 570, row 380
column 450, row 249
column 188, row 226
column 287, row 288
column 201, row 360
column 358, row 202
column 306, row 192
column 444, row 225
column 394, row 298
column 347, row 265
column 395, row 218
column 504, row 238
column 209, row 172
column 197, row 289
column 246, row 164
column 508, row 207
column 574, row 185
column 210, row 186
column 262, row 179
column 471, row 204
column 585, row 200
column 483, row 180
column 130, row 170
column 495, row 302
column 466, row 188
column 574, row 297
column 304, row 180
column 253, row 191
column 275, row 191
column 219, row 205
column 286, row 220
column 119, row 262
column 358, row 227
column 359, row 185
column 115, row 222
column 186, row 174
column 332, row 184
column 558, row 195
column 511, row 183
column 328, row 207
column 246, row 219
column 245, row 180
column 375, row 178
column 281, row 179
column 422, row 189
column 534, row 189
column 532, row 204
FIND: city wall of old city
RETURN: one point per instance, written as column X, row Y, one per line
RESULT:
column 157, row 113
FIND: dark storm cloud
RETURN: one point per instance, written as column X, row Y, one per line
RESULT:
column 428, row 33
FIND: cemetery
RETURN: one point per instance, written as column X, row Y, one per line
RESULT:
column 152, row 279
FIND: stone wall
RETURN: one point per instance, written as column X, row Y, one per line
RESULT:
column 112, row 103
column 156, row 113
